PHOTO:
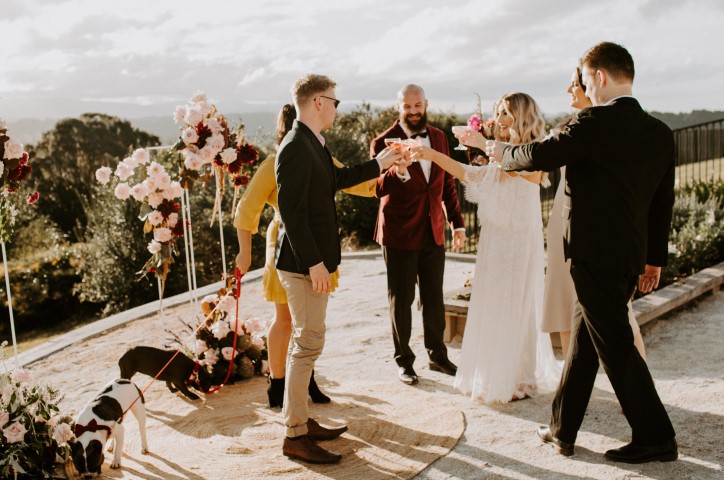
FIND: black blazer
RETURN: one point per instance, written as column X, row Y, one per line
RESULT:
column 619, row 184
column 307, row 181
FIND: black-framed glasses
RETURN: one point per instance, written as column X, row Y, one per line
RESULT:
column 336, row 102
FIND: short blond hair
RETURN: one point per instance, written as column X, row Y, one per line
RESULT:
column 528, row 123
column 309, row 86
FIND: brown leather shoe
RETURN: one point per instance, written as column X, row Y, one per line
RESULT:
column 304, row 448
column 564, row 448
column 320, row 433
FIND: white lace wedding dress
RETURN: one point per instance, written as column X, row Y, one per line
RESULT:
column 504, row 353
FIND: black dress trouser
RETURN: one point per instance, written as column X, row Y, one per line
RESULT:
column 601, row 331
column 405, row 268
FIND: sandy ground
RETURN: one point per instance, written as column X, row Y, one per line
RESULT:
column 685, row 356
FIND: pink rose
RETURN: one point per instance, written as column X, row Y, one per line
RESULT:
column 228, row 155
column 139, row 192
column 155, row 199
column 162, row 234
column 13, row 149
column 154, row 247
column 4, row 418
column 172, row 219
column 226, row 353
column 63, row 433
column 155, row 218
column 475, row 122
column 155, row 170
column 189, row 135
column 123, row 171
column 123, row 191
column 199, row 96
column 179, row 113
column 140, row 155
column 15, row 432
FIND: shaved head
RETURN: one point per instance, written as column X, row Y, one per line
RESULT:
column 410, row 88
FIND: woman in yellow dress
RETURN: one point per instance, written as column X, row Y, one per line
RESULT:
column 262, row 190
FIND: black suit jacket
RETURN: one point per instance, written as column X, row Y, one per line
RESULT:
column 619, row 184
column 307, row 181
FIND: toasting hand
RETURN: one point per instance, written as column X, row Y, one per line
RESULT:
column 389, row 156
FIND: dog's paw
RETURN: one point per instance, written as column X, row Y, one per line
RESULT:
column 116, row 465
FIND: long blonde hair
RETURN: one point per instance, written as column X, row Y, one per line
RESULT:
column 528, row 123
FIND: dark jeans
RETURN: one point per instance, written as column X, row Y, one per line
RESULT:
column 405, row 268
column 601, row 332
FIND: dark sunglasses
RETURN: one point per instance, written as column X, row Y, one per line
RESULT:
column 336, row 102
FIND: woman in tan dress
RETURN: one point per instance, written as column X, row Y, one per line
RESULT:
column 559, row 295
column 262, row 191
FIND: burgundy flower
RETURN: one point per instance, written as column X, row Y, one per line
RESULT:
column 33, row 197
column 24, row 158
column 167, row 207
column 203, row 132
column 178, row 229
column 247, row 154
column 235, row 166
column 19, row 174
column 218, row 162
column 241, row 180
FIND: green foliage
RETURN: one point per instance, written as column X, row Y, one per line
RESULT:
column 66, row 158
column 697, row 230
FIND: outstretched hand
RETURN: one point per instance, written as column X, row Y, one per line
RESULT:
column 494, row 150
column 389, row 156
column 471, row 138
column 421, row 152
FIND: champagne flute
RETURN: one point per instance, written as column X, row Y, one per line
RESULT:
column 457, row 129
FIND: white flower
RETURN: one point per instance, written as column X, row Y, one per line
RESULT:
column 140, row 155
column 258, row 341
column 228, row 155
column 204, row 107
column 155, row 199
column 150, row 184
column 63, row 433
column 163, row 181
column 4, row 418
column 103, row 175
column 254, row 326
column 193, row 162
column 220, row 329
column 226, row 353
column 162, row 234
column 13, row 149
column 179, row 113
column 22, row 376
column 123, row 171
column 199, row 96
column 194, row 115
column 673, row 250
column 175, row 190
column 189, row 135
column 155, row 218
column 710, row 218
column 139, row 192
column 154, row 247
column 200, row 347
column 15, row 432
column 172, row 219
column 214, row 125
column 123, row 191
column 155, row 170
column 211, row 356
column 130, row 162
column 207, row 154
column 216, row 142
column 227, row 304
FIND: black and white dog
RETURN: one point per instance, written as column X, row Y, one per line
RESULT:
column 100, row 421
column 179, row 375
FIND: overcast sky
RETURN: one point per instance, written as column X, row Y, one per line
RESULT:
column 138, row 58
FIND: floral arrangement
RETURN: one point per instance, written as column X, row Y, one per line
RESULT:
column 476, row 122
column 33, row 434
column 214, row 340
column 14, row 169
column 206, row 139
column 157, row 194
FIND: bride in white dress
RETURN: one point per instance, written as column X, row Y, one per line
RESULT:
column 505, row 356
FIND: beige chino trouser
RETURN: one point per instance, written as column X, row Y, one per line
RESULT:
column 309, row 310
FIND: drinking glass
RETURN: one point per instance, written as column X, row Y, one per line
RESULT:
column 457, row 129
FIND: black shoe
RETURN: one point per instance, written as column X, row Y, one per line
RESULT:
column 443, row 365
column 407, row 375
column 561, row 447
column 663, row 452
column 316, row 393
column 320, row 433
column 306, row 449
column 275, row 392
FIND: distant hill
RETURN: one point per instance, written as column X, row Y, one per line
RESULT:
column 260, row 127
column 695, row 117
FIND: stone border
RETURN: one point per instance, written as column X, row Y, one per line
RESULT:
column 646, row 309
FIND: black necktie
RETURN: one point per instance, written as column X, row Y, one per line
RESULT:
column 421, row 135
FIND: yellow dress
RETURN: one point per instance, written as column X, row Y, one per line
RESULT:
column 262, row 190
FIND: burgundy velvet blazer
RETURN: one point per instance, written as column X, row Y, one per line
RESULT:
column 407, row 208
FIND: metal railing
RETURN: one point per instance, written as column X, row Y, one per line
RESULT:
column 699, row 157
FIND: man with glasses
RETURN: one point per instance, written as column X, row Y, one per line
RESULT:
column 411, row 229
column 308, row 249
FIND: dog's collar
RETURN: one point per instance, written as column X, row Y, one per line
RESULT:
column 92, row 427
column 193, row 380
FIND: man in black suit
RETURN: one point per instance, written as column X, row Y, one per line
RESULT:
column 619, row 199
column 308, row 248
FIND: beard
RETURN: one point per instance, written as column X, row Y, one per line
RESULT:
column 414, row 124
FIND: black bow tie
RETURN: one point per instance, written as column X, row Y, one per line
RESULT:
column 421, row 135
